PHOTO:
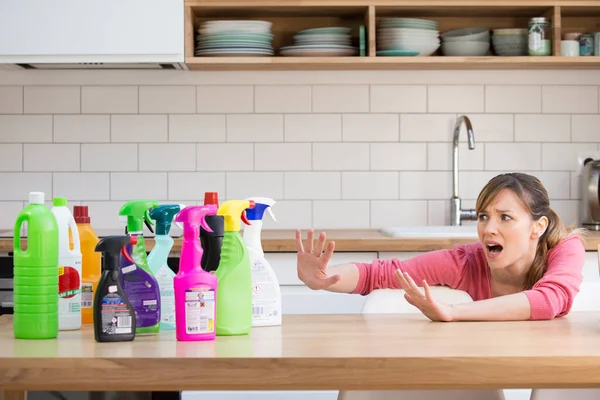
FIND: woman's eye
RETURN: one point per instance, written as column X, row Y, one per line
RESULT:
column 482, row 217
column 505, row 217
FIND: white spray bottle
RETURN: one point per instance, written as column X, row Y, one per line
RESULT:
column 266, row 293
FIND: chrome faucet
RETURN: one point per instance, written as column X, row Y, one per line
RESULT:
column 456, row 213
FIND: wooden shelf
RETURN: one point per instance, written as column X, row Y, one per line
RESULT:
column 290, row 16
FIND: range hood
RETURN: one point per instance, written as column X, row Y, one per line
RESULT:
column 92, row 34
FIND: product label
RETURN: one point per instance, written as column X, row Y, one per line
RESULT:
column 143, row 294
column 535, row 41
column 69, row 288
column 164, row 277
column 264, row 295
column 199, row 310
column 116, row 317
column 87, row 295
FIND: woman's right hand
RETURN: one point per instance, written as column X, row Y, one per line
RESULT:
column 312, row 261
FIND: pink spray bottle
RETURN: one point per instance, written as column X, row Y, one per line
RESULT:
column 195, row 289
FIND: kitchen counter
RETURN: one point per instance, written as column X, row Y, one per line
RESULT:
column 317, row 352
column 355, row 240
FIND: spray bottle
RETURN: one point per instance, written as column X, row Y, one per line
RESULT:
column 212, row 240
column 266, row 293
column 195, row 289
column 137, row 279
column 157, row 262
column 234, row 298
column 114, row 318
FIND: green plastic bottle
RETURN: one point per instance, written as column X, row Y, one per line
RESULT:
column 36, row 272
column 137, row 279
column 234, row 297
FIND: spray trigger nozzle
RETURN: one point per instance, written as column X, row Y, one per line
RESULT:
column 271, row 213
column 148, row 221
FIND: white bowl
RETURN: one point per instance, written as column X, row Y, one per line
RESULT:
column 410, row 31
column 465, row 49
column 465, row 34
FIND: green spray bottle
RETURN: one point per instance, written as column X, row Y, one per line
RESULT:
column 137, row 279
column 234, row 297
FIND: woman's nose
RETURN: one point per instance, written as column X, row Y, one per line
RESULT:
column 491, row 226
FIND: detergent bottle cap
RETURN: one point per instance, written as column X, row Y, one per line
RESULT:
column 137, row 213
column 234, row 210
column 193, row 217
column 60, row 202
column 112, row 246
column 163, row 215
column 36, row 197
column 80, row 213
column 211, row 198
column 261, row 204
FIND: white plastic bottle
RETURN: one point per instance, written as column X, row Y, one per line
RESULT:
column 69, row 268
column 266, row 293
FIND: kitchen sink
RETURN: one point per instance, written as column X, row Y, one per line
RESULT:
column 431, row 231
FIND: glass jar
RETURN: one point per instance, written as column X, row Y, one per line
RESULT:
column 539, row 37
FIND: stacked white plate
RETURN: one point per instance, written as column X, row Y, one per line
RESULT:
column 408, row 34
column 321, row 42
column 243, row 38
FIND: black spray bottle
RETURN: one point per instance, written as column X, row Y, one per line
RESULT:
column 212, row 241
column 114, row 318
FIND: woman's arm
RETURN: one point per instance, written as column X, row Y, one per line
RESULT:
column 512, row 307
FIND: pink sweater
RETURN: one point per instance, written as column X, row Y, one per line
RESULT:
column 465, row 268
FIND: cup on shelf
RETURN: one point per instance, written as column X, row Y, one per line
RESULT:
column 569, row 48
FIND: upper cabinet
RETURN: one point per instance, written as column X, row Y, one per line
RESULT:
column 55, row 33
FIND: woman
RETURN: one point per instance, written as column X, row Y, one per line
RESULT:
column 526, row 266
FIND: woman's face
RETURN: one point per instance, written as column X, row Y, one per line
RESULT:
column 507, row 231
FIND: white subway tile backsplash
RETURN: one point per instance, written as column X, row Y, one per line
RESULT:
column 109, row 100
column 139, row 128
column 313, row 127
column 427, row 127
column 167, row 99
column 191, row 186
column 470, row 183
column 340, row 156
column 255, row 128
column 369, row 185
column 11, row 99
column 52, row 100
column 105, row 214
column 516, row 99
column 10, row 210
column 438, row 212
column 282, row 99
column 51, row 157
column 398, row 156
column 335, row 214
column 585, row 128
column 570, row 99
column 167, row 157
column 107, row 157
column 25, row 128
column 11, row 157
column 312, row 185
column 282, row 156
column 425, row 185
column 340, row 98
column 225, row 157
column 390, row 213
column 81, row 128
column 127, row 186
column 567, row 210
column 398, row 98
column 563, row 156
column 224, row 99
column 201, row 128
column 575, row 185
column 440, row 157
column 455, row 98
column 489, row 128
column 370, row 127
column 19, row 184
column 558, row 184
column 290, row 214
column 241, row 185
column 542, row 128
column 512, row 157
column 81, row 185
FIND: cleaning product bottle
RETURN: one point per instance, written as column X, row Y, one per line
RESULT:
column 157, row 262
column 137, row 279
column 90, row 262
column 212, row 240
column 69, row 269
column 234, row 298
column 114, row 318
column 266, row 293
column 36, row 272
column 195, row 289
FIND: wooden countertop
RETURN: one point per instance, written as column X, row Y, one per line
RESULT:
column 318, row 352
column 348, row 240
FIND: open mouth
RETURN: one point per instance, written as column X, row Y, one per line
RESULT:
column 494, row 248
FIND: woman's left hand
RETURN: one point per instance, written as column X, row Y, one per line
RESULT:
column 432, row 309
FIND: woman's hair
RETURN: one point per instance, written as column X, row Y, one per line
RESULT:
column 535, row 197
